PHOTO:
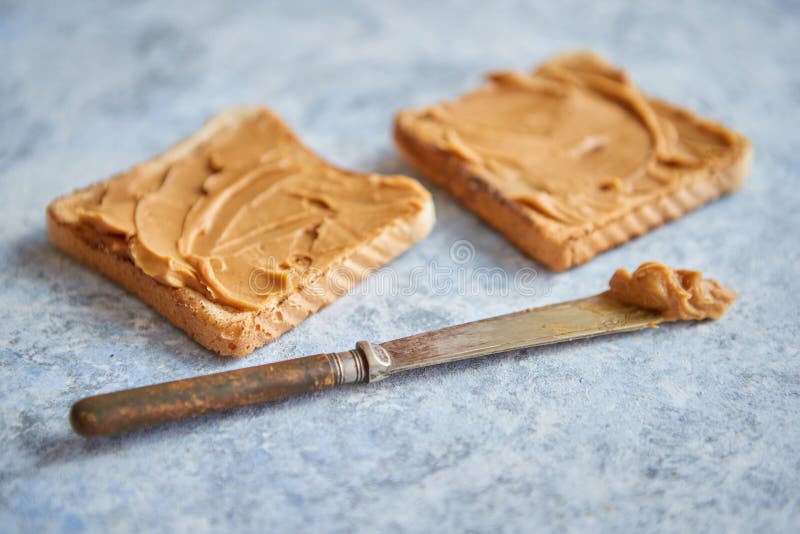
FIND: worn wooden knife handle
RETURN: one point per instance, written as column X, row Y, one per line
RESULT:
column 123, row 411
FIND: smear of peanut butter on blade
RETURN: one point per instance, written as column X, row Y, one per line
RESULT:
column 677, row 294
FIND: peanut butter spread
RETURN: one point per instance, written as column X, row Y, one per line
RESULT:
column 677, row 294
column 245, row 214
column 575, row 140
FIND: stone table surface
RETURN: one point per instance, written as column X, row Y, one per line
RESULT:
column 691, row 427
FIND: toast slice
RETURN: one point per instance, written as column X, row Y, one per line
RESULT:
column 571, row 159
column 239, row 232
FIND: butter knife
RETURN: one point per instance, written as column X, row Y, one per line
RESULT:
column 123, row 411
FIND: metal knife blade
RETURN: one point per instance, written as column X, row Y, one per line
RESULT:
column 588, row 317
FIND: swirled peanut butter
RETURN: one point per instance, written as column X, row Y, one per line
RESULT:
column 575, row 140
column 244, row 215
column 677, row 294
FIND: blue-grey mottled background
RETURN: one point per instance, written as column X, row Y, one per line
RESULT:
column 690, row 427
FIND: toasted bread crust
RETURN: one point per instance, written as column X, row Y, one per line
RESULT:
column 229, row 331
column 540, row 238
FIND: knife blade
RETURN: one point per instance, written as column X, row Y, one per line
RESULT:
column 588, row 317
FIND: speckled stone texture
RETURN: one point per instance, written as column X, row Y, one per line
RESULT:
column 691, row 427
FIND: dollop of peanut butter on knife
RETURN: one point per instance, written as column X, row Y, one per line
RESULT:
column 678, row 294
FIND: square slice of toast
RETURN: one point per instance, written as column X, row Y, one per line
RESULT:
column 239, row 232
column 571, row 159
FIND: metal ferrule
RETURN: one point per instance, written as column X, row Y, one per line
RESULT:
column 367, row 363
column 348, row 367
